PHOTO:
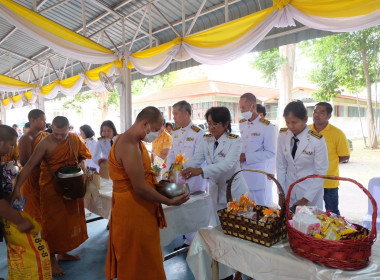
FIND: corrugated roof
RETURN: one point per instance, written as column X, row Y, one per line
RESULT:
column 69, row 14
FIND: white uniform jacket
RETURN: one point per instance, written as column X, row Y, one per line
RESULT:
column 221, row 165
column 103, row 148
column 91, row 145
column 259, row 146
column 185, row 141
column 310, row 158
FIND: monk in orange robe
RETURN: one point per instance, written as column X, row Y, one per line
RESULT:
column 134, row 250
column 27, row 143
column 63, row 221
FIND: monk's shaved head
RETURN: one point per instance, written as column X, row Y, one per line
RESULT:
column 7, row 133
column 61, row 122
column 150, row 114
column 35, row 114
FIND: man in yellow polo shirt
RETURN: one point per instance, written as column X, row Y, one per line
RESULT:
column 338, row 151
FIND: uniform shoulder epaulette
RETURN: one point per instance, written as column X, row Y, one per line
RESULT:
column 315, row 134
column 195, row 128
column 100, row 138
column 232, row 136
column 264, row 121
column 176, row 128
column 207, row 135
column 242, row 120
column 283, row 129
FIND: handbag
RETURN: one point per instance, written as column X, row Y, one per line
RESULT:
column 71, row 180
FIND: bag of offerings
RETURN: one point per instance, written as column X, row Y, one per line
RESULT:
column 244, row 219
column 28, row 254
column 327, row 238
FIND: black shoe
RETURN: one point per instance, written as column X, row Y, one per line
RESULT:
column 181, row 247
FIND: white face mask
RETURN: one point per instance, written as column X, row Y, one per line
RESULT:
column 247, row 115
column 151, row 136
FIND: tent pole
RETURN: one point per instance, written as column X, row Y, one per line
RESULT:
column 41, row 103
column 125, row 92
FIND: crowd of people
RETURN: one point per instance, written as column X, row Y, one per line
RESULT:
column 212, row 158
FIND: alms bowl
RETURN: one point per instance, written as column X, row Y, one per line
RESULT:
column 171, row 190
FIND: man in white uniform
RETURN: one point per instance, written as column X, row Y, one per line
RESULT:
column 270, row 165
column 186, row 138
column 258, row 146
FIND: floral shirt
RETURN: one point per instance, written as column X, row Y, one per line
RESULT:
column 164, row 141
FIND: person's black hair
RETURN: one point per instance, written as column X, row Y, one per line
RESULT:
column 261, row 109
column 297, row 109
column 110, row 125
column 27, row 125
column 220, row 115
column 87, row 130
column 35, row 114
column 168, row 124
column 60, row 122
column 327, row 105
column 7, row 133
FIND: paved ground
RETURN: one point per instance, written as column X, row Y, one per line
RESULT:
column 364, row 164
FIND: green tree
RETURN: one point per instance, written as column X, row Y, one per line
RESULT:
column 346, row 60
column 268, row 62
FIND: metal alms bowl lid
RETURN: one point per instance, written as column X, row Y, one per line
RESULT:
column 171, row 190
column 69, row 172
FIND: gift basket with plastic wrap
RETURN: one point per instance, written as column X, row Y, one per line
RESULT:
column 327, row 238
column 256, row 223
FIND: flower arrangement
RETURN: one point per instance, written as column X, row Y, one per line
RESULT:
column 178, row 162
column 158, row 164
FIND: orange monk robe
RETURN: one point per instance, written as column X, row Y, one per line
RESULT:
column 63, row 221
column 31, row 188
column 13, row 155
column 134, row 250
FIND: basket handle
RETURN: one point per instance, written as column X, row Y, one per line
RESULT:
column 330, row 177
column 280, row 189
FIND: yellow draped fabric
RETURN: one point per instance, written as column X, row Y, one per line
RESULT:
column 53, row 27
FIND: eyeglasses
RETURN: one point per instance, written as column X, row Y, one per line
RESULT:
column 213, row 125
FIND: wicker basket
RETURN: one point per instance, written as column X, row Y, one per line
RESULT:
column 348, row 254
column 262, row 233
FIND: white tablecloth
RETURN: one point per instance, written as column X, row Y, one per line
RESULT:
column 196, row 213
column 262, row 263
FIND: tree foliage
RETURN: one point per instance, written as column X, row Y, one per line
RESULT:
column 346, row 60
column 268, row 62
column 338, row 61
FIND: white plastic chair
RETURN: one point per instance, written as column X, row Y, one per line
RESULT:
column 374, row 189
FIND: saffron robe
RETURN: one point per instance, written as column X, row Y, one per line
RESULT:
column 63, row 221
column 31, row 188
column 134, row 250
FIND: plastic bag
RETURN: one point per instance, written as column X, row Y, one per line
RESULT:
column 28, row 253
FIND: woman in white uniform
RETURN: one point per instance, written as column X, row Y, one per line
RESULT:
column 301, row 152
column 104, row 144
column 221, row 151
column 88, row 136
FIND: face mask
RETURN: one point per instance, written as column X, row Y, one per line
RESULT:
column 247, row 115
column 151, row 136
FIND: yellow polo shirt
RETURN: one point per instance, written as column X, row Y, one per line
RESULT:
column 337, row 146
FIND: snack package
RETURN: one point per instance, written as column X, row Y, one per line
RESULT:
column 307, row 224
